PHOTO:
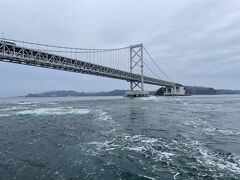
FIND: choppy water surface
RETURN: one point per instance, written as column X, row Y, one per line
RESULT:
column 194, row 137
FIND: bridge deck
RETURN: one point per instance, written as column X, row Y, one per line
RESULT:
column 10, row 52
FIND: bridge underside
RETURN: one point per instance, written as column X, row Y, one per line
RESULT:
column 11, row 53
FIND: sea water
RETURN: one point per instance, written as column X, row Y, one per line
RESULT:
column 195, row 137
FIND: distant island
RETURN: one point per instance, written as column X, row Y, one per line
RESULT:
column 197, row 90
column 78, row 94
column 190, row 90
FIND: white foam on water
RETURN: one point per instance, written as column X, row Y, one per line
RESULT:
column 224, row 164
column 13, row 108
column 104, row 146
column 228, row 132
column 167, row 154
column 175, row 176
column 149, row 140
column 148, row 146
column 207, row 128
column 54, row 111
column 52, row 103
column 110, row 127
column 137, row 149
column 9, row 108
column 104, row 116
column 106, row 120
column 149, row 98
column 143, row 144
column 154, row 99
column 137, row 143
column 196, row 123
column 212, row 159
column 216, row 130
column 147, row 177
column 4, row 115
column 27, row 102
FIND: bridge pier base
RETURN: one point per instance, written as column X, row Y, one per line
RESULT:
column 174, row 91
column 133, row 94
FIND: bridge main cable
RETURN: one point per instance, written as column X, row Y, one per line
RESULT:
column 65, row 47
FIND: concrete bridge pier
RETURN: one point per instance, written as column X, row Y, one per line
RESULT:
column 137, row 93
column 174, row 91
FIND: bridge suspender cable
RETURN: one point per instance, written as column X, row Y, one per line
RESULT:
column 157, row 65
column 151, row 71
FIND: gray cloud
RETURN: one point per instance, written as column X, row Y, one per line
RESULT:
column 195, row 42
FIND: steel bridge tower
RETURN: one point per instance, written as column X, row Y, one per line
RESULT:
column 136, row 62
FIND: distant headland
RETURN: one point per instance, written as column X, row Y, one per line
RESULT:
column 190, row 90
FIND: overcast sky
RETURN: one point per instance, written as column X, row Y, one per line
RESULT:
column 197, row 42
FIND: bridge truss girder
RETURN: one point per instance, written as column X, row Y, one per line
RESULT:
column 10, row 52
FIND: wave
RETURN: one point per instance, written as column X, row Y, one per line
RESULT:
column 27, row 102
column 204, row 127
column 4, row 115
column 225, row 161
column 54, row 111
column 218, row 164
column 137, row 143
column 169, row 152
column 13, row 108
column 216, row 130
column 105, row 120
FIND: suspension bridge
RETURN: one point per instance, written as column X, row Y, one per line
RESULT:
column 126, row 63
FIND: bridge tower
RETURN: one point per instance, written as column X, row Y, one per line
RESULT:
column 136, row 61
